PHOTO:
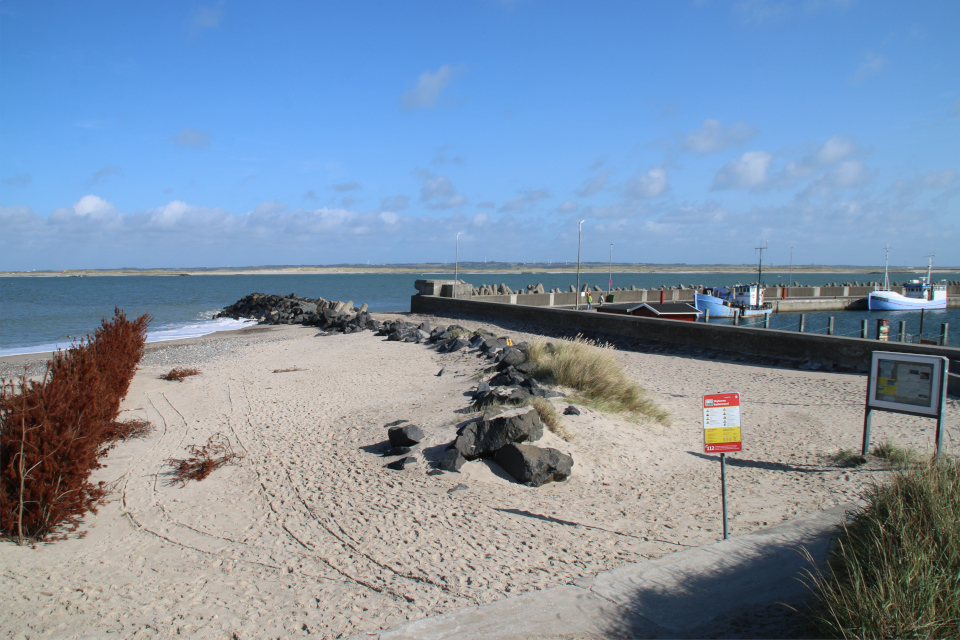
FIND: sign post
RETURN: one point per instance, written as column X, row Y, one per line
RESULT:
column 721, row 434
column 906, row 383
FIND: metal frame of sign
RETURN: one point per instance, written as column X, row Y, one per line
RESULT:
column 731, row 400
column 937, row 367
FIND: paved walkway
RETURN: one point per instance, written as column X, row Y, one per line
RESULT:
column 688, row 594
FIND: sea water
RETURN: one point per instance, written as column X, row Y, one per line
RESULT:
column 44, row 313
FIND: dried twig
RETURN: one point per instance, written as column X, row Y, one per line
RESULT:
column 203, row 460
column 179, row 374
column 288, row 370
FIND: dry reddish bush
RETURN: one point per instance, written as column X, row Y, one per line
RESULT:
column 203, row 460
column 178, row 374
column 52, row 432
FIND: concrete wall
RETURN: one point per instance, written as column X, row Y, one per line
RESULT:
column 791, row 345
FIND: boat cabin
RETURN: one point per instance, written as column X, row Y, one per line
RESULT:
column 663, row 310
column 923, row 290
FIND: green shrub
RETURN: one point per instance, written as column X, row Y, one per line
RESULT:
column 894, row 569
column 592, row 369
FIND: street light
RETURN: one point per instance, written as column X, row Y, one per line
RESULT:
column 579, row 236
column 790, row 273
column 456, row 266
column 610, row 280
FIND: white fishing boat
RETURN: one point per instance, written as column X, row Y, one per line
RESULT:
column 743, row 300
column 917, row 294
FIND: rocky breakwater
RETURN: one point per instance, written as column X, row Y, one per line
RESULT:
column 330, row 315
column 502, row 427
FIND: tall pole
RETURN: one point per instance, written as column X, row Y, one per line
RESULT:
column 790, row 273
column 456, row 268
column 886, row 268
column 579, row 236
column 610, row 280
column 760, row 265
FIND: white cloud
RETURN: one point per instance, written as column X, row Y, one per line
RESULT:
column 19, row 180
column 525, row 200
column 395, row 203
column 873, row 63
column 428, row 88
column 105, row 174
column 189, row 137
column 206, row 17
column 749, row 171
column 480, row 219
column 592, row 185
column 437, row 192
column 389, row 217
column 835, row 149
column 849, row 173
column 568, row 206
column 649, row 184
column 712, row 136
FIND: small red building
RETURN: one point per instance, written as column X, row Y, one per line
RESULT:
column 665, row 310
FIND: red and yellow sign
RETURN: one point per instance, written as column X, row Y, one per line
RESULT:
column 721, row 423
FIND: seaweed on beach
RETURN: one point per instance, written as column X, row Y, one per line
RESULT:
column 54, row 431
column 179, row 373
column 203, row 460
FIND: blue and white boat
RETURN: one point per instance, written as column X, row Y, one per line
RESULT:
column 743, row 300
column 917, row 294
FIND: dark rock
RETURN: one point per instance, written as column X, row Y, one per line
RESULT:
column 526, row 368
column 498, row 428
column 452, row 460
column 571, row 411
column 441, row 372
column 533, row 466
column 405, row 436
column 395, row 423
column 483, row 387
column 511, row 357
column 459, row 487
column 403, row 463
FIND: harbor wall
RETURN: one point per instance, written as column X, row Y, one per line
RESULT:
column 853, row 353
column 782, row 299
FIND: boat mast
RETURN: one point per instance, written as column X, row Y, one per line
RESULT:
column 760, row 273
column 886, row 268
column 929, row 266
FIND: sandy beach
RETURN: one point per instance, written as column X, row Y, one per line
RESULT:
column 309, row 535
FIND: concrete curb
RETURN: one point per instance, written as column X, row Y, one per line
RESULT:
column 682, row 594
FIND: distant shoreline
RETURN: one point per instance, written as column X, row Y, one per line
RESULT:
column 430, row 271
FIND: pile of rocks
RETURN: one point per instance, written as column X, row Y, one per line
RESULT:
column 499, row 434
column 503, row 431
column 330, row 315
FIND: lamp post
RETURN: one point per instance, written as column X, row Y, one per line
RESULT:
column 610, row 279
column 579, row 236
column 790, row 273
column 456, row 266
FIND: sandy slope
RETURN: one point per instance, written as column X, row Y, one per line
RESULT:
column 309, row 534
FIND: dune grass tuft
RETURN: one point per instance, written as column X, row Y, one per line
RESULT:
column 894, row 569
column 551, row 417
column 897, row 456
column 592, row 369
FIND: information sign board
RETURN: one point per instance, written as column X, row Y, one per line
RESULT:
column 906, row 382
column 721, row 423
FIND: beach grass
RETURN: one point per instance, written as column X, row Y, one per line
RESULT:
column 593, row 370
column 894, row 569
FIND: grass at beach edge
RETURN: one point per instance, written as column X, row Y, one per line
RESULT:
column 894, row 568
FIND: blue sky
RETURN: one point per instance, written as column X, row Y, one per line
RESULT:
column 232, row 133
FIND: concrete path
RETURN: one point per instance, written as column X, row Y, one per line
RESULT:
column 693, row 593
